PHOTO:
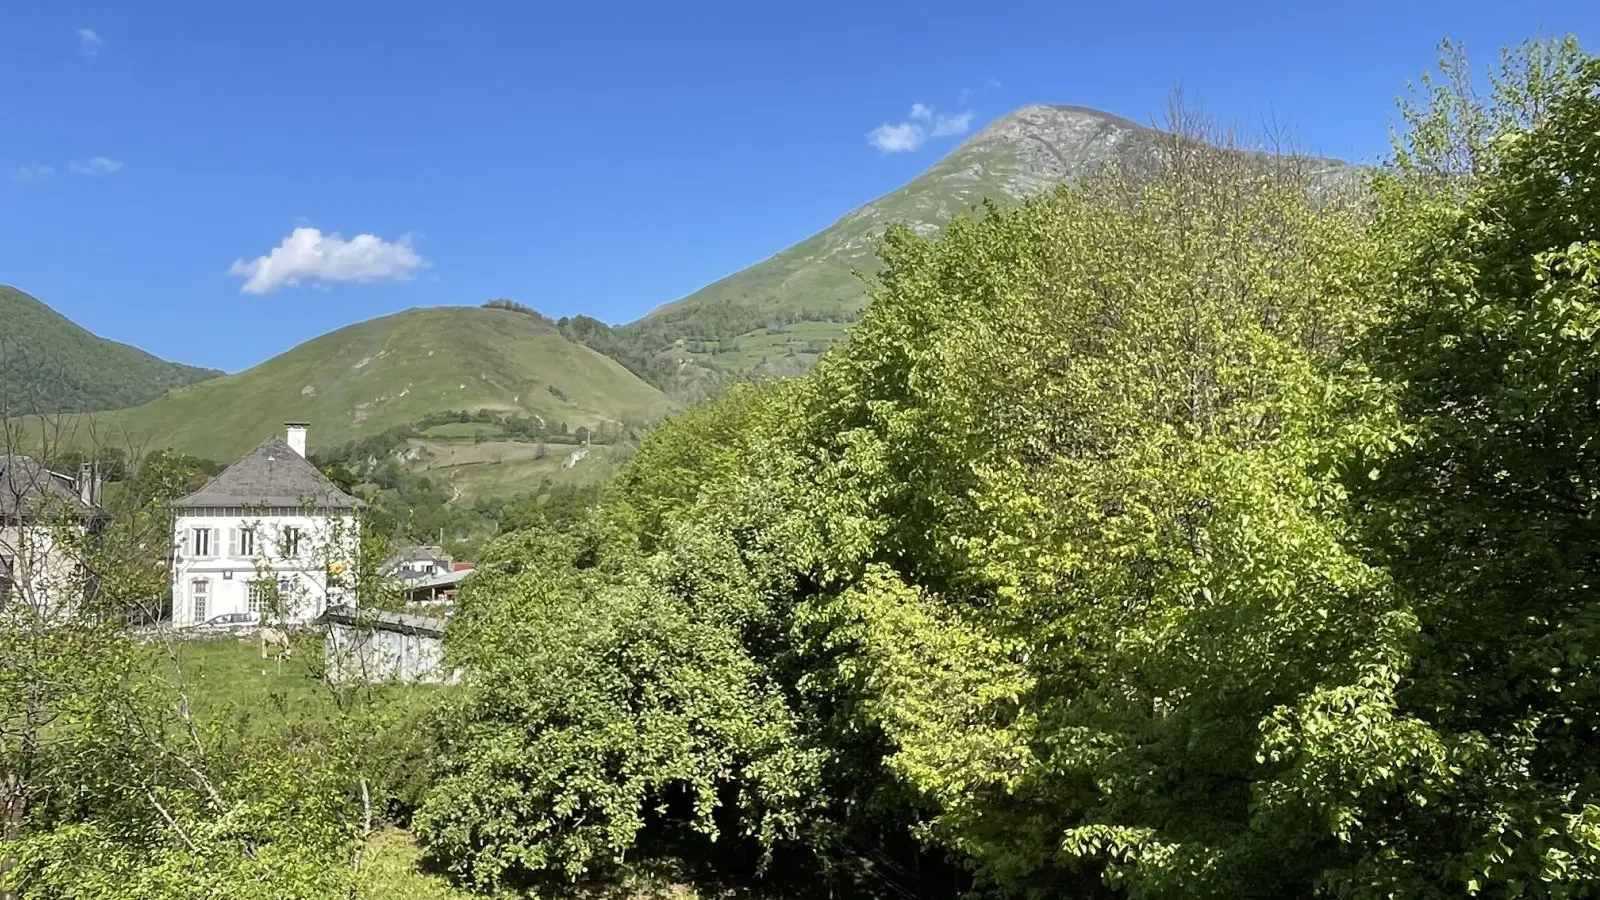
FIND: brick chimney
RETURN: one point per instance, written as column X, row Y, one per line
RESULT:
column 296, row 434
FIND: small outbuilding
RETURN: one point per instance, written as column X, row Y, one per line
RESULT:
column 434, row 588
column 376, row 645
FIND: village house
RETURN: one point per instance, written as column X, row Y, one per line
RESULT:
column 411, row 563
column 270, row 536
column 48, row 521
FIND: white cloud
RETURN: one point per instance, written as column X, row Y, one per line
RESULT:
column 308, row 254
column 89, row 43
column 98, row 165
column 945, row 126
column 921, row 122
column 31, row 173
column 989, row 84
column 896, row 138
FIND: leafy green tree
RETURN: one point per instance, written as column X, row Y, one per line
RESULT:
column 1191, row 532
column 1484, row 516
column 593, row 702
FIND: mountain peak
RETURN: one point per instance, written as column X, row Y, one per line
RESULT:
column 1058, row 111
column 776, row 316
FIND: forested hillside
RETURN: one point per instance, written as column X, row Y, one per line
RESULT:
column 48, row 364
column 1185, row 532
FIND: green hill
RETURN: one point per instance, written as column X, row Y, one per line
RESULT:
column 367, row 378
column 775, row 317
column 49, row 364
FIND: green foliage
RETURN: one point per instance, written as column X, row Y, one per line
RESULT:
column 1451, row 127
column 1201, row 535
column 591, row 702
column 50, row 365
column 162, row 768
column 561, row 510
column 1483, row 515
column 203, row 774
column 640, row 353
column 1192, row 531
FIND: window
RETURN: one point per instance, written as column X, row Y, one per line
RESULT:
column 200, row 592
column 260, row 597
column 291, row 542
column 243, row 543
column 201, row 542
column 6, row 583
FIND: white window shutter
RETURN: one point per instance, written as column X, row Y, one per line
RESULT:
column 233, row 542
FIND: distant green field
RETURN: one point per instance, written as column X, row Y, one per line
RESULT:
column 504, row 469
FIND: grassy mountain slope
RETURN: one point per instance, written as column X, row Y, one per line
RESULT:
column 775, row 317
column 50, row 364
column 376, row 375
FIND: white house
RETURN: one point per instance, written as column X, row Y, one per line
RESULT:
column 412, row 563
column 271, row 535
column 48, row 522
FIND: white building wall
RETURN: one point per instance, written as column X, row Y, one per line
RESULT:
column 44, row 566
column 224, row 573
column 358, row 653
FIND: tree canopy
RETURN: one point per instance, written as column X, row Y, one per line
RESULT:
column 1193, row 533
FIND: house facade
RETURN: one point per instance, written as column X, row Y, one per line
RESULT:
column 48, row 523
column 270, row 535
column 413, row 563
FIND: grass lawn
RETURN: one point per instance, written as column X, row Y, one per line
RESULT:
column 229, row 683
column 390, row 871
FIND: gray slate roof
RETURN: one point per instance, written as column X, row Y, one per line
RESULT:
column 270, row 475
column 382, row 620
column 411, row 554
column 443, row 579
column 27, row 486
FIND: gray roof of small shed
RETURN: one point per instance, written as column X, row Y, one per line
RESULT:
column 383, row 620
column 442, row 579
column 270, row 475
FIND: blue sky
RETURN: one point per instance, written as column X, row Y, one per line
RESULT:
column 599, row 158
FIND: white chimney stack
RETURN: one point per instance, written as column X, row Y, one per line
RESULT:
column 297, row 436
column 86, row 479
